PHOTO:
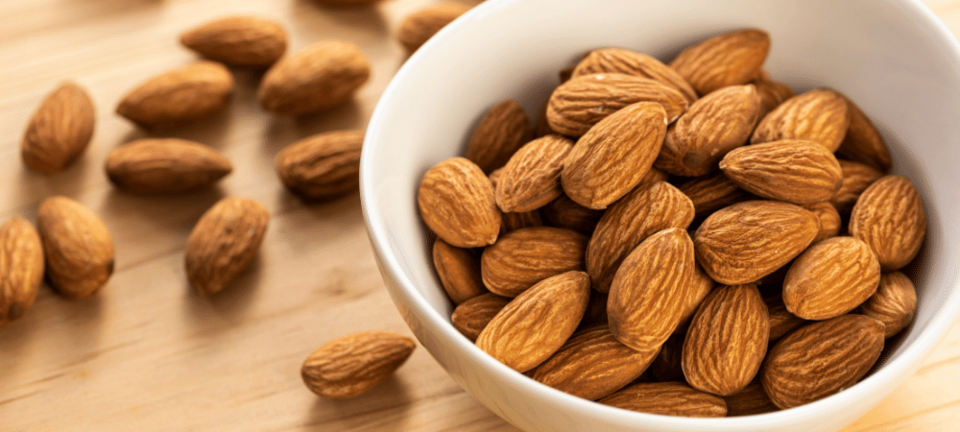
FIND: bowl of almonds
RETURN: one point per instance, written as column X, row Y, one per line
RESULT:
column 666, row 216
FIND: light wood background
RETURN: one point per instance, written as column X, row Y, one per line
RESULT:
column 147, row 353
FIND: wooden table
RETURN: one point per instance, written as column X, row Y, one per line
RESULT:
column 148, row 353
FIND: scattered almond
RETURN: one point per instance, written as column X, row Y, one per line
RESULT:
column 77, row 247
column 183, row 95
column 421, row 25
column 224, row 243
column 353, row 364
column 319, row 77
column 59, row 131
column 322, row 166
column 238, row 40
column 21, row 261
column 165, row 166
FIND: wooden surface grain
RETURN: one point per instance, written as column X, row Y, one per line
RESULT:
column 148, row 353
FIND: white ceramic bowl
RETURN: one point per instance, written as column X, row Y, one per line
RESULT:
column 893, row 57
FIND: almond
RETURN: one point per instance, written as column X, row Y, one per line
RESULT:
column 894, row 303
column 77, row 247
column 322, row 166
column 744, row 242
column 713, row 192
column 21, row 261
column 59, row 131
column 795, row 171
column 500, row 133
column 353, row 364
column 473, row 315
column 613, row 157
column 238, row 40
column 781, row 320
column 729, row 59
column 592, row 365
column 564, row 212
column 531, row 178
column 624, row 61
column 459, row 271
column 700, row 286
column 456, row 201
column 863, row 142
column 319, row 77
column 668, row 364
column 668, row 398
column 857, row 177
column 889, row 217
column 526, row 256
column 421, row 25
column 183, row 95
column 818, row 115
column 224, row 243
column 838, row 352
column 829, row 220
column 519, row 220
column 649, row 290
column 772, row 93
column 644, row 211
column 713, row 126
column 752, row 400
column 537, row 323
column 165, row 166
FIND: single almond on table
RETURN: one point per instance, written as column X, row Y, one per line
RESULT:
column 538, row 322
column 733, row 58
column 831, row 278
column 713, row 192
column 322, row 166
column 238, row 40
column 795, row 171
column 418, row 27
column 829, row 220
column 818, row 115
column 353, row 364
column 625, row 61
column 165, row 166
column 531, row 178
column 183, row 95
column 21, row 258
column 77, row 247
column 59, row 130
column 526, row 256
column 857, row 177
column 224, row 243
column 889, row 217
column 500, row 133
column 459, row 271
column 751, row 400
column 456, row 201
column 473, row 315
column 772, row 93
column 667, row 398
column 894, row 303
column 863, row 142
column 781, row 320
column 564, row 212
column 319, row 77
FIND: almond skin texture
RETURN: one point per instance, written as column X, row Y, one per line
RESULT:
column 564, row 212
column 829, row 220
column 180, row 96
column 894, row 303
column 727, row 340
column 613, row 157
column 644, row 211
column 650, row 288
column 747, row 241
column 798, row 172
column 889, row 217
column 592, row 365
column 352, row 365
column 751, row 400
column 667, row 398
column 700, row 286
column 459, row 271
column 224, row 243
column 713, row 126
column 319, row 77
column 322, row 166
column 526, row 256
column 585, row 100
column 165, row 166
column 421, row 25
column 729, row 59
column 500, row 133
column 863, row 142
column 781, row 320
column 473, row 315
column 857, row 177
column 77, row 247
column 21, row 268
column 772, row 93
column 456, row 201
column 537, row 323
column 818, row 115
column 838, row 352
column 519, row 220
column 624, row 61
column 238, row 40
column 59, row 131
column 531, row 178
column 713, row 192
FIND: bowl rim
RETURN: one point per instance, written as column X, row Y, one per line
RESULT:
column 404, row 289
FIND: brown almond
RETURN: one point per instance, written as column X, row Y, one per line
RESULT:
column 747, row 241
column 781, row 320
column 712, row 127
column 614, row 156
column 21, row 258
column 59, row 130
column 838, row 352
column 319, row 77
column 526, row 256
column 183, row 95
column 421, row 25
column 713, row 192
column 894, row 303
column 500, row 133
column 795, row 171
column 456, row 201
column 668, row 398
column 322, row 166
column 473, row 315
column 538, row 322
column 863, row 142
column 700, row 286
column 564, row 212
column 729, row 59
column 772, row 93
column 818, row 115
column 629, row 62
column 857, row 177
column 668, row 365
column 77, row 247
column 224, row 243
column 353, row 364
column 829, row 220
column 165, row 166
column 238, row 40
column 518, row 220
column 889, row 217
column 459, row 271
column 531, row 178
column 752, row 400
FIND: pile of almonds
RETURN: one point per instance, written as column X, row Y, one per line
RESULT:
column 691, row 239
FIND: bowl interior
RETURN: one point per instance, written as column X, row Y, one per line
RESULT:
column 893, row 58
